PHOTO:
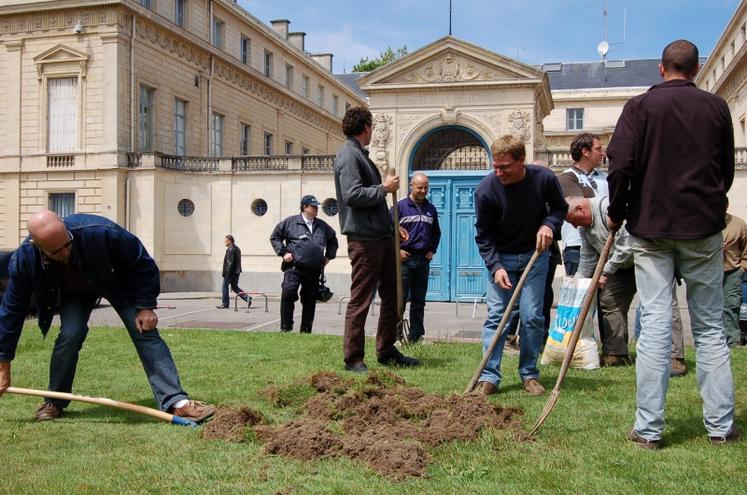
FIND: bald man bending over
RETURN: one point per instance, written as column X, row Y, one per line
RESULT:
column 77, row 260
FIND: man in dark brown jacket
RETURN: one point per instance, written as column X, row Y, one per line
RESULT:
column 671, row 164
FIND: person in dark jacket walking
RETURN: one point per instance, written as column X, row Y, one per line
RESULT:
column 306, row 244
column 231, row 273
column 671, row 164
column 419, row 217
column 80, row 259
column 365, row 219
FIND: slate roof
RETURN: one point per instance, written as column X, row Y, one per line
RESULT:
column 592, row 75
column 351, row 79
column 578, row 75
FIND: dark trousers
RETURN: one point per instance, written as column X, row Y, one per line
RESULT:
column 308, row 280
column 233, row 282
column 155, row 356
column 372, row 264
column 571, row 259
column 415, row 272
column 614, row 301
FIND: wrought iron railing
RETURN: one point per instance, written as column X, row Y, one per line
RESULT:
column 324, row 163
column 259, row 163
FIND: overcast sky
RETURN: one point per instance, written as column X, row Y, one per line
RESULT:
column 534, row 31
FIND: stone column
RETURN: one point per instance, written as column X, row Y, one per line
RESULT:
column 112, row 44
column 12, row 83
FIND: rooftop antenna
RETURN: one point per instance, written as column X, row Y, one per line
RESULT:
column 449, row 17
column 604, row 46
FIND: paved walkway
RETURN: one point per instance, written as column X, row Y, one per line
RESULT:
column 443, row 321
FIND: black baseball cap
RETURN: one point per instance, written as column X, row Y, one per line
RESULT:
column 309, row 200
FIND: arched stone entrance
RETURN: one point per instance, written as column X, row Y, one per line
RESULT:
column 455, row 158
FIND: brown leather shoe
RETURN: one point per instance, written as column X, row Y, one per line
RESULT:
column 733, row 436
column 608, row 360
column 533, row 386
column 641, row 442
column 48, row 412
column 195, row 410
column 485, row 388
column 678, row 367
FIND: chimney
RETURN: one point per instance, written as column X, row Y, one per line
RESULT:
column 298, row 40
column 281, row 27
column 325, row 59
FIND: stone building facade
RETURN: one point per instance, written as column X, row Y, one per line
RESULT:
column 181, row 120
column 186, row 120
column 725, row 74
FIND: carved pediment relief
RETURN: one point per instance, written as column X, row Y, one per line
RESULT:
column 61, row 57
column 452, row 67
column 450, row 61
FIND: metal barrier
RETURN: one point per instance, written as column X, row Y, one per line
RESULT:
column 248, row 304
column 345, row 298
column 474, row 299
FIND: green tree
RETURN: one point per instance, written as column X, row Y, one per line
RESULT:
column 388, row 55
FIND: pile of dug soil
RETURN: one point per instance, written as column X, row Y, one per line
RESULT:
column 379, row 421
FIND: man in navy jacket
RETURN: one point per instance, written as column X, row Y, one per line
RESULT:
column 419, row 217
column 77, row 260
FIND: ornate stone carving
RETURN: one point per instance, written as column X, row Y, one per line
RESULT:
column 451, row 68
column 382, row 134
column 405, row 123
column 519, row 123
column 26, row 22
column 450, row 115
column 491, row 120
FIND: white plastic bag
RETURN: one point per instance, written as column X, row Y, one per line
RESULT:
column 585, row 356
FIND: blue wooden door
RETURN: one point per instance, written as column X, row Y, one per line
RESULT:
column 439, row 194
column 457, row 270
column 469, row 273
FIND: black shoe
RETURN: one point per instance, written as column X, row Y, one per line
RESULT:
column 305, row 330
column 359, row 367
column 286, row 330
column 396, row 358
column 222, row 307
column 733, row 436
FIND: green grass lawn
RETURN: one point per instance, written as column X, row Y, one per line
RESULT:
column 581, row 449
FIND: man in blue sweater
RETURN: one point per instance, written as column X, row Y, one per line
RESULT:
column 419, row 217
column 520, row 209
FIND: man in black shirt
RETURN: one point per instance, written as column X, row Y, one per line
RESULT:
column 520, row 209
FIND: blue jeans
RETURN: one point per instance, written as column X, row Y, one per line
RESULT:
column 530, row 303
column 154, row 354
column 415, row 286
column 701, row 264
column 233, row 281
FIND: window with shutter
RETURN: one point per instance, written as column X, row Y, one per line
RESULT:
column 62, row 114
